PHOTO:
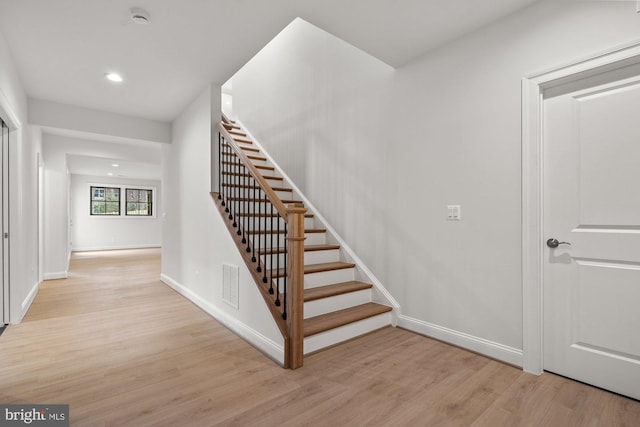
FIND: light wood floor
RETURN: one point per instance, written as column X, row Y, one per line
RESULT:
column 123, row 349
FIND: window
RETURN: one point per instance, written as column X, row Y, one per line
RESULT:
column 139, row 202
column 105, row 201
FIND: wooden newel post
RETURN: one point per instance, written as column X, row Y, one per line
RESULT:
column 295, row 293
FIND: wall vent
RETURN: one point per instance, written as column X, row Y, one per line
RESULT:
column 230, row 285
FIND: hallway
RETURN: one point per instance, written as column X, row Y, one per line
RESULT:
column 124, row 349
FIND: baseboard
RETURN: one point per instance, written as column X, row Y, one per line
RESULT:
column 255, row 338
column 488, row 348
column 115, row 247
column 27, row 302
column 56, row 276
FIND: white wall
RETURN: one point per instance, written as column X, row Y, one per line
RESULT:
column 57, row 237
column 23, row 149
column 96, row 123
column 91, row 232
column 381, row 156
column 196, row 241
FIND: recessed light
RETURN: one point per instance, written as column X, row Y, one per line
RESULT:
column 114, row 77
column 115, row 165
column 110, row 174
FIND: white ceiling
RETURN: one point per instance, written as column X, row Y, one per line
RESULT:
column 62, row 48
column 100, row 166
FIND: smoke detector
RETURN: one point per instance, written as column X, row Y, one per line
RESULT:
column 140, row 16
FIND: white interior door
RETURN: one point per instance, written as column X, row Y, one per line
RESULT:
column 592, row 200
column 4, row 291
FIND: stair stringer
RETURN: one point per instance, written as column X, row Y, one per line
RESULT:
column 379, row 293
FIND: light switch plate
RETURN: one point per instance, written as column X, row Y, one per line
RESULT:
column 453, row 212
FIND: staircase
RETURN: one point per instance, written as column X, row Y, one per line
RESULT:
column 338, row 300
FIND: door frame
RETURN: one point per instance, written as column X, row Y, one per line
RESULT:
column 533, row 87
column 11, row 120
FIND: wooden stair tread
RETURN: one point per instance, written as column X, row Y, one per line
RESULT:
column 273, row 178
column 243, row 141
column 248, row 175
column 327, row 266
column 255, row 150
column 262, row 215
column 327, row 291
column 229, row 126
column 263, row 159
column 235, row 132
column 248, row 199
column 306, row 231
column 250, row 187
column 309, row 248
column 335, row 319
column 326, row 247
column 318, row 268
column 269, row 168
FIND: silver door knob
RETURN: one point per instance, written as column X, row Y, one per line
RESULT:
column 553, row 243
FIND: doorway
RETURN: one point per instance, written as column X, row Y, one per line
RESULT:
column 581, row 232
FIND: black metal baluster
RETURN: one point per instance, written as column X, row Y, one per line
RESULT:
column 240, row 196
column 271, row 253
column 251, row 226
column 278, row 276
column 257, row 236
column 232, row 177
column 242, row 191
column 227, row 179
column 264, row 246
column 235, row 190
column 245, row 204
column 286, row 272
column 220, row 168
column 250, row 196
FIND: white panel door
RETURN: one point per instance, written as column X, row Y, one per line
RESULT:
column 4, row 291
column 592, row 201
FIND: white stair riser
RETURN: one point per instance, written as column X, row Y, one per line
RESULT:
column 313, row 280
column 313, row 257
column 319, row 257
column 338, row 302
column 258, row 162
column 315, row 239
column 323, row 278
column 334, row 336
column 311, row 239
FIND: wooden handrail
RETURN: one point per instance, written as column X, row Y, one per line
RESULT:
column 226, row 119
column 271, row 195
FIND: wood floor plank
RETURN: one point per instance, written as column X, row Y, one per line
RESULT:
column 124, row 349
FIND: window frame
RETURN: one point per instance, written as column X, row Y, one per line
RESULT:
column 150, row 202
column 105, row 201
